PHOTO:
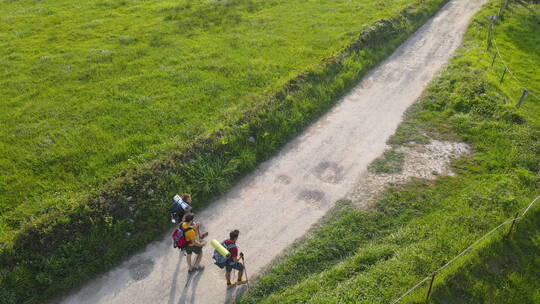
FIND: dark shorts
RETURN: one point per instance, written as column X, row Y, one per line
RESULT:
column 193, row 249
column 233, row 265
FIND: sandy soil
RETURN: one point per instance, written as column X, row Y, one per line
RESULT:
column 421, row 161
column 286, row 195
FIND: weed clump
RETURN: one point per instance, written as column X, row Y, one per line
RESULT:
column 390, row 162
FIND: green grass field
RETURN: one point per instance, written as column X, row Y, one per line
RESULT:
column 207, row 91
column 416, row 228
column 92, row 88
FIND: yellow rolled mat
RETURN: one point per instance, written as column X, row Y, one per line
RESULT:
column 222, row 250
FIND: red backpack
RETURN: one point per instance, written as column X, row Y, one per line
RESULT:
column 179, row 240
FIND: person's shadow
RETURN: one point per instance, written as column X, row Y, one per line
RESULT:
column 191, row 281
column 172, row 293
column 234, row 293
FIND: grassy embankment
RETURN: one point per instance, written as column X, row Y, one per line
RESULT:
column 107, row 87
column 90, row 89
column 375, row 256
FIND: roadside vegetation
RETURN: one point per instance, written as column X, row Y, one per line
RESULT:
column 93, row 88
column 374, row 256
column 390, row 162
column 108, row 116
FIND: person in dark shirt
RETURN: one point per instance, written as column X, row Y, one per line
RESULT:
column 234, row 258
column 182, row 205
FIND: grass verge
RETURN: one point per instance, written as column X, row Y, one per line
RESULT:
column 65, row 246
column 417, row 227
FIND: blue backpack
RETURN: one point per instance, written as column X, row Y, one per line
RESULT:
column 220, row 260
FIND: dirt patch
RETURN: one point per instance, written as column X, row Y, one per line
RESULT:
column 312, row 197
column 283, row 179
column 420, row 161
column 140, row 269
column 329, row 172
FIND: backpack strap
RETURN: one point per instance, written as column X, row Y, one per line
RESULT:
column 181, row 232
column 230, row 246
column 184, row 230
column 178, row 235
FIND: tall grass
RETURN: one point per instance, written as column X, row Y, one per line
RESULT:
column 417, row 227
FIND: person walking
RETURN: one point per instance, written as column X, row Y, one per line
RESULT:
column 181, row 206
column 234, row 258
column 194, row 245
column 187, row 198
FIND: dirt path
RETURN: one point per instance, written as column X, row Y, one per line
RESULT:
column 281, row 200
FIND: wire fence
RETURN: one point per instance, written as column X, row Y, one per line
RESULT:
column 519, row 215
column 491, row 41
column 509, row 71
column 522, row 212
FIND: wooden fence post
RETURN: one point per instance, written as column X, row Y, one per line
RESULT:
column 522, row 98
column 504, row 73
column 504, row 5
column 500, row 13
column 493, row 61
column 430, row 286
column 490, row 34
column 512, row 226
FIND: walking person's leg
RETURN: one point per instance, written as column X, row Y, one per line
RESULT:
column 190, row 250
column 188, row 259
column 228, row 276
column 198, row 260
column 238, row 266
column 228, row 271
column 229, row 268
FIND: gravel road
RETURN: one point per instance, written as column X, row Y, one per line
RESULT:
column 286, row 195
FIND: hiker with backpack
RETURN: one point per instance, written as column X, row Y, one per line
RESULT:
column 181, row 206
column 190, row 242
column 232, row 260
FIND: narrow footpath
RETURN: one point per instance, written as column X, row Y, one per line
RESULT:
column 286, row 195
